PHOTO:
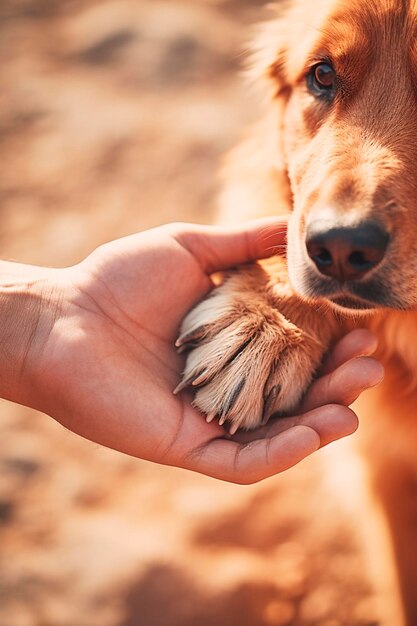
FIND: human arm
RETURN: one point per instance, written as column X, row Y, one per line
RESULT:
column 93, row 346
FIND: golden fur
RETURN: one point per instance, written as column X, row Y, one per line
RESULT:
column 358, row 156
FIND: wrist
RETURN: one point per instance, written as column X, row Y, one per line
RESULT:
column 28, row 309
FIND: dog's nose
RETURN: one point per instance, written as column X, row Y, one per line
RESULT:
column 346, row 253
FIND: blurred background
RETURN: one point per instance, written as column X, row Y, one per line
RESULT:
column 114, row 116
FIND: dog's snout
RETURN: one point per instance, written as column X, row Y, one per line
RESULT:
column 346, row 253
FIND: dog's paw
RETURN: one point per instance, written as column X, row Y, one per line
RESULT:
column 246, row 360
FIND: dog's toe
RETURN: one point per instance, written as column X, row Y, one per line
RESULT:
column 244, row 363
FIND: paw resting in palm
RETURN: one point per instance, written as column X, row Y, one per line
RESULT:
column 246, row 360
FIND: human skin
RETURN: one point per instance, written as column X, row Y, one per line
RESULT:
column 92, row 346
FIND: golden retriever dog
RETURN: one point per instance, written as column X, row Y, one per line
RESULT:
column 337, row 152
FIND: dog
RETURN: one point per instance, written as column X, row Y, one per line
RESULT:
column 336, row 151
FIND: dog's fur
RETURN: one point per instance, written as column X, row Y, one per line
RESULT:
column 357, row 155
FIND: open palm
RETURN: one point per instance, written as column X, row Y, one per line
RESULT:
column 107, row 367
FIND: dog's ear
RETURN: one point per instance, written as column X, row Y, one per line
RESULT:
column 255, row 175
column 267, row 61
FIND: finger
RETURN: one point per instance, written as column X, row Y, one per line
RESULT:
column 330, row 422
column 345, row 384
column 249, row 463
column 217, row 248
column 359, row 342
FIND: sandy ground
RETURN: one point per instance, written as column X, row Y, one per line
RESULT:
column 114, row 116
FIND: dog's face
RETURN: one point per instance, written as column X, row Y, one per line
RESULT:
column 347, row 71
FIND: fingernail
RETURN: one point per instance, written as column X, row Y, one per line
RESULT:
column 374, row 370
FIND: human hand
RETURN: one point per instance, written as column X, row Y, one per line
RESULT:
column 101, row 358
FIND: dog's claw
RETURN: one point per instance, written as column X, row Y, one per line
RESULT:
column 231, row 400
column 201, row 378
column 269, row 402
column 191, row 337
column 193, row 380
column 182, row 385
column 233, row 428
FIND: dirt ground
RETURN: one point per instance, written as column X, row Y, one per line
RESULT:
column 114, row 116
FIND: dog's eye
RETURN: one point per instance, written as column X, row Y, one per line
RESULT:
column 321, row 80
